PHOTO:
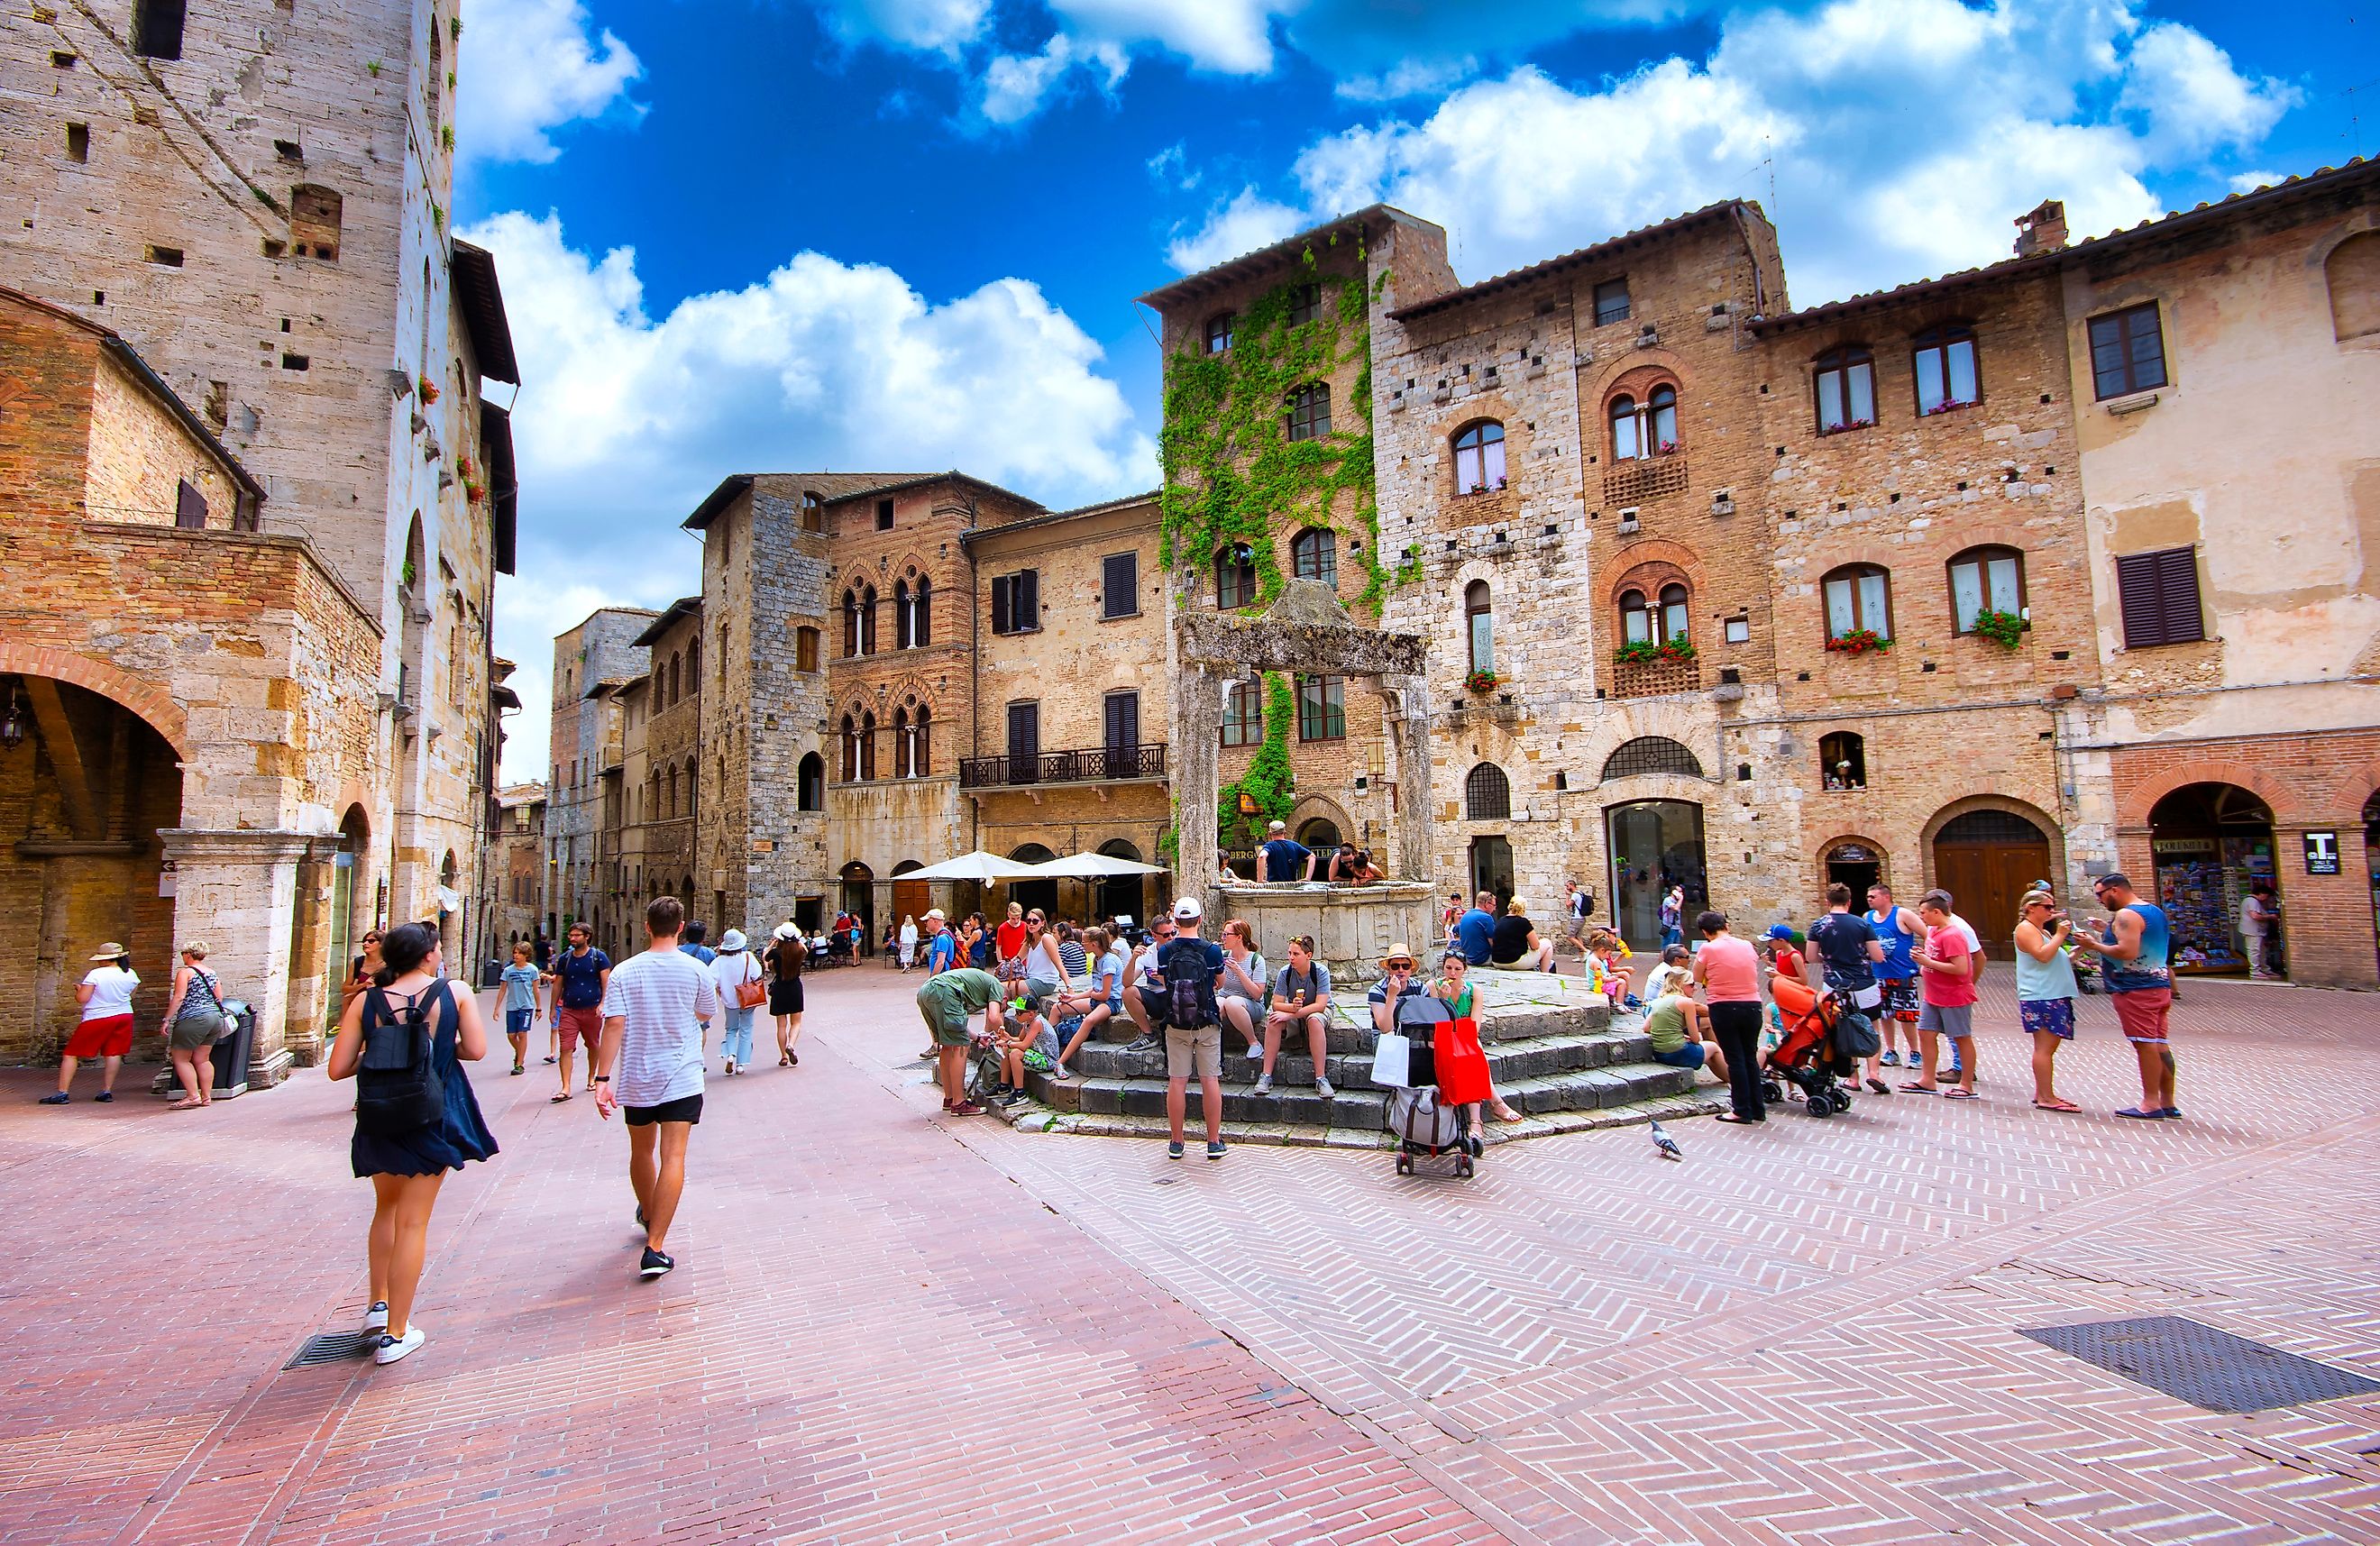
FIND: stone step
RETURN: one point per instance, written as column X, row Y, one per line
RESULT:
column 1368, row 1134
column 1350, row 1028
column 1534, row 1058
column 1357, row 1103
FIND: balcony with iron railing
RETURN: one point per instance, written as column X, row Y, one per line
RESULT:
column 1115, row 764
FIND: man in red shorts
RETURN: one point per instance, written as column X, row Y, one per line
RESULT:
column 2135, row 946
column 581, row 976
column 106, row 995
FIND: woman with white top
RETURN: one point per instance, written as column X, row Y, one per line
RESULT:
column 106, row 995
column 1098, row 994
column 1240, row 993
column 730, row 968
column 2044, row 990
column 908, row 939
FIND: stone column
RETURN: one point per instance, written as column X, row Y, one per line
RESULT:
column 237, row 891
column 1407, row 707
column 1197, row 777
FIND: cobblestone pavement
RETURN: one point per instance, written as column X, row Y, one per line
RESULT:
column 890, row 1326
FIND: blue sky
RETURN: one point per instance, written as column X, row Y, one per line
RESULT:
column 760, row 235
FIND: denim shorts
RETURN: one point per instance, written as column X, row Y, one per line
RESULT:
column 1691, row 1055
column 516, row 1021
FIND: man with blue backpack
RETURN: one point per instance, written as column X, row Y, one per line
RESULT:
column 1188, row 971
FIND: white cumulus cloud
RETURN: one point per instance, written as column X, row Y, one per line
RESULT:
column 531, row 68
column 1015, row 86
column 933, row 26
column 1889, row 139
column 625, row 419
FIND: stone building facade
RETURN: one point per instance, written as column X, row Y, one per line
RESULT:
column 253, row 196
column 585, row 738
column 179, row 711
column 1086, row 688
column 515, row 869
column 662, row 771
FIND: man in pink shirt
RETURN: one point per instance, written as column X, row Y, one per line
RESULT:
column 1945, row 968
column 1728, row 971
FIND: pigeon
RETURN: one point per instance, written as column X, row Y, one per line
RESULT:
column 1666, row 1144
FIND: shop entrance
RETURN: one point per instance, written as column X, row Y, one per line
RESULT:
column 1856, row 864
column 1118, row 896
column 2211, row 842
column 911, row 899
column 860, row 900
column 1987, row 861
column 1655, row 845
column 1491, row 868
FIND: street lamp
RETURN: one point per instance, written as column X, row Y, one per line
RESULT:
column 12, row 723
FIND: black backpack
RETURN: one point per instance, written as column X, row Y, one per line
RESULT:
column 397, row 1086
column 1185, row 989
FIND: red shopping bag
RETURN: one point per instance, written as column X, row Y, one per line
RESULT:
column 1462, row 1066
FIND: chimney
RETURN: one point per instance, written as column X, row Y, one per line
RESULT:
column 2044, row 230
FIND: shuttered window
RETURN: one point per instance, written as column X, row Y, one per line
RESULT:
column 2160, row 598
column 189, row 507
column 1024, row 733
column 2127, row 351
column 1119, row 585
column 1016, row 602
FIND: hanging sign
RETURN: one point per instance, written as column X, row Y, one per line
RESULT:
column 2322, row 852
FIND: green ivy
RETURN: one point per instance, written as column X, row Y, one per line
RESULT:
column 1268, row 781
column 1231, row 472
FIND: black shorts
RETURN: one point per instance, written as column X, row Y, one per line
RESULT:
column 686, row 1107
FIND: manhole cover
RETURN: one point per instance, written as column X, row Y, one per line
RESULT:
column 2201, row 1365
column 333, row 1348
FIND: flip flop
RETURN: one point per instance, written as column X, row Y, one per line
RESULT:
column 1879, row 1087
column 2056, row 1105
column 1958, row 1093
column 1744, row 1120
column 557, row 1100
column 1922, row 1088
column 2139, row 1115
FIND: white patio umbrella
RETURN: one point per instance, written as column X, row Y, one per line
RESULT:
column 1095, row 867
column 977, row 866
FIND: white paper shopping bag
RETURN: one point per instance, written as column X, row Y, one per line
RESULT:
column 1393, row 1060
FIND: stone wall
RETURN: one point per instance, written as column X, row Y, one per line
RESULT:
column 599, row 650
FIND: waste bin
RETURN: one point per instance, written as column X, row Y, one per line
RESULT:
column 491, row 974
column 231, row 1052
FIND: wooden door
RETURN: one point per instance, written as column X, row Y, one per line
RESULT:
column 912, row 899
column 1984, row 880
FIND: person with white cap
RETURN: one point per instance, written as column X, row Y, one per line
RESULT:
column 106, row 1031
column 732, row 967
column 1196, row 965
column 942, row 945
column 787, row 956
column 1283, row 858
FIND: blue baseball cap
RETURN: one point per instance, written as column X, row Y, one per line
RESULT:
column 1782, row 931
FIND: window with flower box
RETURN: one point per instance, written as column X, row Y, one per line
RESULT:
column 1646, row 428
column 1986, row 579
column 1859, row 604
column 1845, row 384
column 1944, row 365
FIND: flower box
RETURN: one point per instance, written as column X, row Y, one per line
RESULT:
column 1860, row 642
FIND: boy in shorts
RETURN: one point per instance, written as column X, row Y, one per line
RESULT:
column 1949, row 992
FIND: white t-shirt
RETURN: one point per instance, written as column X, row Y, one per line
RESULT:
column 1659, row 981
column 1967, row 932
column 663, row 996
column 729, row 969
column 111, row 992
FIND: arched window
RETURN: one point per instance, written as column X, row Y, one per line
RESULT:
column 2352, row 270
column 690, row 766
column 868, row 743
column 1635, row 618
column 921, row 613
column 1842, row 760
column 1479, row 626
column 1652, row 754
column 1235, row 577
column 668, row 810
column 1314, row 554
column 676, row 680
column 694, row 664
column 1986, row 579
column 901, row 614
column 1945, row 368
column 850, row 624
column 810, row 784
column 1480, row 458
column 1218, row 333
column 1486, row 794
column 921, row 744
column 1673, row 613
column 900, row 743
column 1859, row 600
column 1845, row 380
column 1309, row 412
column 1646, row 428
column 850, row 749
column 867, row 620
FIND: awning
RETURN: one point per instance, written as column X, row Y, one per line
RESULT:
column 1095, row 867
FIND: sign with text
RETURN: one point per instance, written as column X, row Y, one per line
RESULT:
column 2322, row 852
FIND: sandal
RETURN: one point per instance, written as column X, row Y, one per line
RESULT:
column 186, row 1103
column 1506, row 1114
column 2056, row 1105
column 784, row 1060
column 1879, row 1087
column 1916, row 1089
column 557, row 1100
column 1958, row 1093
column 1746, row 1121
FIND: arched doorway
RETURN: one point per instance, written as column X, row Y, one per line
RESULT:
column 2372, row 863
column 353, row 911
column 86, row 783
column 1322, row 834
column 1855, row 862
column 1120, row 895
column 1987, row 860
column 910, row 898
column 860, row 900
column 1037, row 892
column 2210, row 843
column 1654, row 846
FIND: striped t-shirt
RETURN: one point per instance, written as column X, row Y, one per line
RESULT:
column 663, row 996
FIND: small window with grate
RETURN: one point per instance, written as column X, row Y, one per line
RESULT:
column 1652, row 754
column 1611, row 301
column 1486, row 794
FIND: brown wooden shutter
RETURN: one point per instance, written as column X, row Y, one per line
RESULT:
column 189, row 507
column 1119, row 585
column 1028, row 600
column 1000, row 603
column 2177, row 595
column 2136, row 587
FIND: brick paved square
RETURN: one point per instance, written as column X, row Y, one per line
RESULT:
column 888, row 1326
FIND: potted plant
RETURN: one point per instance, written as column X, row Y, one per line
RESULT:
column 1481, row 681
column 1678, row 649
column 1859, row 642
column 475, row 491
column 2003, row 628
column 1636, row 650
column 429, row 391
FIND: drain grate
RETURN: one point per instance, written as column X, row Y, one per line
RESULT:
column 333, row 1348
column 2201, row 1365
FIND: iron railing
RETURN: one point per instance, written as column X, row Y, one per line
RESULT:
column 1086, row 765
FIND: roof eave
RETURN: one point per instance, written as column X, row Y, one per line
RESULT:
column 1233, row 271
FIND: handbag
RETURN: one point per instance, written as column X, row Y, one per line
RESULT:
column 1393, row 1060
column 750, row 994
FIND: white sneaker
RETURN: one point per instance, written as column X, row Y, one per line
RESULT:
column 376, row 1317
column 1264, row 1084
column 1322, row 1088
column 394, row 1348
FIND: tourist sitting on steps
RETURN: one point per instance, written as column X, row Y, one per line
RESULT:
column 1239, row 998
column 1514, row 942
column 1397, row 981
column 1679, row 1027
column 1301, row 999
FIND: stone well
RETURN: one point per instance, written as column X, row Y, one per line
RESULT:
column 1352, row 926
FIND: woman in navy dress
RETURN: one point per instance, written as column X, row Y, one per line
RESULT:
column 407, row 1169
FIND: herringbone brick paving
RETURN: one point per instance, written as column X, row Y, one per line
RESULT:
column 891, row 1327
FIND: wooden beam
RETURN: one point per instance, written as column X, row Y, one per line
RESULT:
column 65, row 755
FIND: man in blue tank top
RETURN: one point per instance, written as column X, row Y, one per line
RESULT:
column 1899, row 930
column 2135, row 949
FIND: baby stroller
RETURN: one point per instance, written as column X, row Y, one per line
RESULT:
column 1810, row 1056
column 1428, row 1124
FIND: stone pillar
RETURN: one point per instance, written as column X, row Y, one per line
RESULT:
column 1408, row 721
column 1197, row 778
column 237, row 891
